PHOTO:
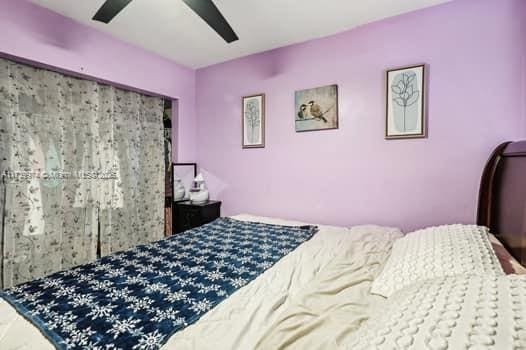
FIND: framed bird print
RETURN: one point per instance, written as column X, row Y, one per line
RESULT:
column 405, row 106
column 253, row 121
column 317, row 108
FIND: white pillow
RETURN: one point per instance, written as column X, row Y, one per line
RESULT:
column 436, row 252
column 456, row 312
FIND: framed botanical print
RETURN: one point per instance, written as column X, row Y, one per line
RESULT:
column 253, row 121
column 405, row 105
column 316, row 109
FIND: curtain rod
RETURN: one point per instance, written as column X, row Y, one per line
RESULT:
column 79, row 75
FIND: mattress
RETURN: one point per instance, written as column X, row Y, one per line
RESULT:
column 313, row 298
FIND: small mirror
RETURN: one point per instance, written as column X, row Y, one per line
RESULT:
column 183, row 179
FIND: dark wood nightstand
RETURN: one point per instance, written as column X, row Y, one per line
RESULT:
column 187, row 215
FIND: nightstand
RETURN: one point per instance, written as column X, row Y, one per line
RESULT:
column 187, row 215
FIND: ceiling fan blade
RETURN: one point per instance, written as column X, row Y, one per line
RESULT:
column 208, row 11
column 110, row 9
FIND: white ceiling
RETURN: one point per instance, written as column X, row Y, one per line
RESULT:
column 170, row 29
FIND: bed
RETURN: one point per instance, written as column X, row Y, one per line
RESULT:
column 319, row 295
column 300, row 294
column 502, row 197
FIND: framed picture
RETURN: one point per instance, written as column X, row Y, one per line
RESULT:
column 405, row 106
column 316, row 109
column 253, row 121
column 183, row 180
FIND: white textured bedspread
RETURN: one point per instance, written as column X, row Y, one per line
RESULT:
column 313, row 298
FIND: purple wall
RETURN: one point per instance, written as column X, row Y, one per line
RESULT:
column 475, row 49
column 32, row 33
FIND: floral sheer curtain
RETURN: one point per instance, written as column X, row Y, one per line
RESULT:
column 138, row 138
column 80, row 161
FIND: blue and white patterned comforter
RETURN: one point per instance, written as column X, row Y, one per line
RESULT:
column 138, row 298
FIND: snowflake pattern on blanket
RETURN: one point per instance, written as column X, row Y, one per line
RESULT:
column 138, row 298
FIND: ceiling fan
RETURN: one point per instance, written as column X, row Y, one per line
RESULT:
column 205, row 9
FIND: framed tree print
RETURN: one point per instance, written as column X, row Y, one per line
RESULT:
column 406, row 99
column 253, row 121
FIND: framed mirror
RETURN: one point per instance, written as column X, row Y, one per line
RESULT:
column 182, row 180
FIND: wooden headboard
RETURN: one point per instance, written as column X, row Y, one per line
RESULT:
column 502, row 197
